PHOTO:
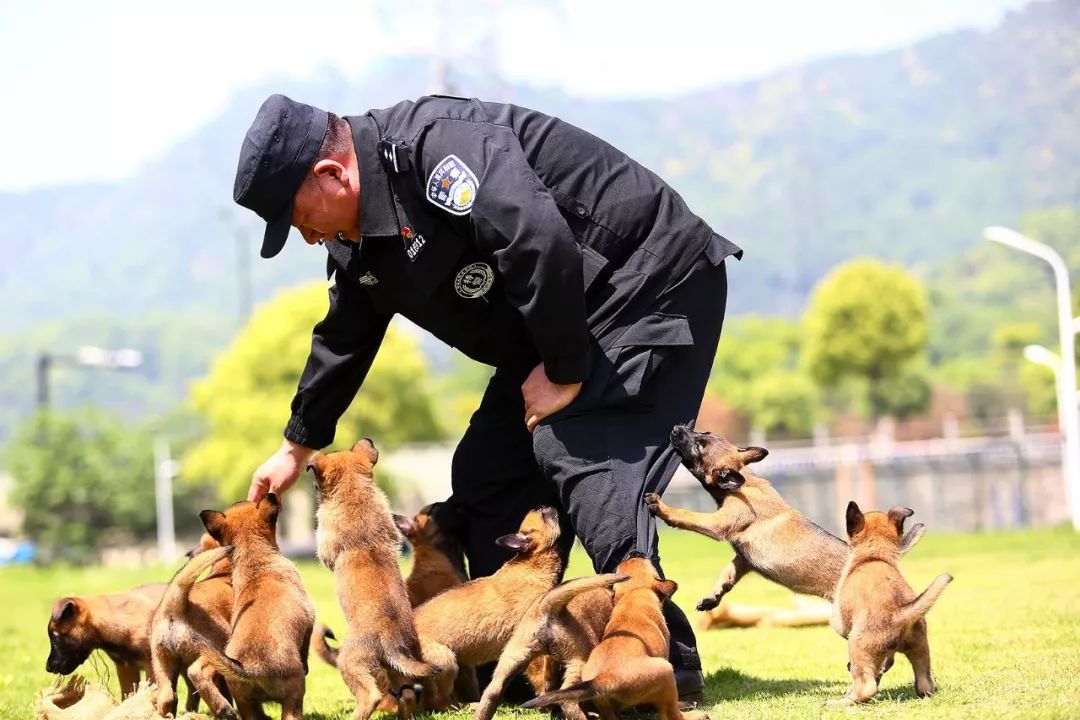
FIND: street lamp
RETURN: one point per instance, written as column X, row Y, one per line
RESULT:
column 1068, row 417
column 86, row 356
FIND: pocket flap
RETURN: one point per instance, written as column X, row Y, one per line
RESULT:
column 592, row 264
column 657, row 329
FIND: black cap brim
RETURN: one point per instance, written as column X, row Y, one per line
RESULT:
column 277, row 232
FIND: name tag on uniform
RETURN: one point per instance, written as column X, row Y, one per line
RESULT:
column 412, row 242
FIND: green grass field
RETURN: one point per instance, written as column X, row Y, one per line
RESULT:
column 1005, row 638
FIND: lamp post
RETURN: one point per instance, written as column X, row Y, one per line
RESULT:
column 1068, row 417
column 86, row 356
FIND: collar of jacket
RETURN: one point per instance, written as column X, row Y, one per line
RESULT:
column 377, row 212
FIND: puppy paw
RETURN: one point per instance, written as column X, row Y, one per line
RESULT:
column 653, row 503
column 708, row 603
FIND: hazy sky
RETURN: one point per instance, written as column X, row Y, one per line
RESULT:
column 91, row 90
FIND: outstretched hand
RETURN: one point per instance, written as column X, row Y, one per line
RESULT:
column 543, row 397
column 280, row 471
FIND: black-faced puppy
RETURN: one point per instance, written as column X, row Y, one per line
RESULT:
column 565, row 624
column 768, row 535
column 438, row 557
column 875, row 608
column 117, row 623
column 265, row 658
column 358, row 541
column 629, row 666
column 470, row 624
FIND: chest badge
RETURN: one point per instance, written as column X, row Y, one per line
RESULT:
column 368, row 279
column 452, row 186
column 413, row 242
column 474, row 280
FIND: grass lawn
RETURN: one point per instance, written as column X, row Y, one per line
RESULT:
column 1005, row 637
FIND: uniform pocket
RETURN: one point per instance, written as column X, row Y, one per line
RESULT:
column 640, row 351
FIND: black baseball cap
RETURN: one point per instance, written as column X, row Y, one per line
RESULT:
column 278, row 150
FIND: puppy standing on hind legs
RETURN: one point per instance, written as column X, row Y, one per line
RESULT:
column 358, row 541
column 876, row 610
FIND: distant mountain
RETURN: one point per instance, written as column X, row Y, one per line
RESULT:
column 903, row 155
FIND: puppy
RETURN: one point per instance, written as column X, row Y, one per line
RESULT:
column 358, row 540
column 265, row 657
column 768, row 535
column 565, row 624
column 469, row 625
column 876, row 610
column 804, row 614
column 629, row 667
column 203, row 607
column 116, row 623
column 438, row 558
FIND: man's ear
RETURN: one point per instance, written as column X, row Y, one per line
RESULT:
column 269, row 507
column 214, row 522
column 855, row 519
column 515, row 542
column 752, row 454
column 330, row 168
column 404, row 524
column 666, row 588
column 898, row 515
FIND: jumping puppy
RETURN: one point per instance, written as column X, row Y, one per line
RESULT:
column 470, row 624
column 265, row 658
column 876, row 610
column 768, row 535
column 358, row 541
column 116, row 623
column 565, row 624
column 438, row 558
column 629, row 667
column 203, row 607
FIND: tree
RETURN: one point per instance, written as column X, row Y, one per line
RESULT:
column 84, row 479
column 245, row 398
column 865, row 320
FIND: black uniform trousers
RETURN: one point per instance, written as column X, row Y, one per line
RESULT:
column 596, row 459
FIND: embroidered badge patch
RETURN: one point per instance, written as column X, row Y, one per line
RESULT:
column 368, row 279
column 452, row 186
column 474, row 280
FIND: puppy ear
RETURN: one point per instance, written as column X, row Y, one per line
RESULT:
column 898, row 515
column 404, row 524
column 728, row 479
column 316, row 464
column 666, row 588
column 752, row 454
column 367, row 447
column 269, row 507
column 214, row 522
column 855, row 519
column 65, row 610
column 515, row 542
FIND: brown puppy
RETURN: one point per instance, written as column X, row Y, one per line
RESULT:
column 875, row 608
column 768, row 535
column 804, row 614
column 265, row 658
column 629, row 667
column 358, row 540
column 438, row 558
column 469, row 625
column 565, row 624
column 116, row 623
column 204, row 607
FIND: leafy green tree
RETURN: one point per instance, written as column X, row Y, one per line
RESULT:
column 865, row 320
column 84, row 479
column 245, row 399
column 784, row 402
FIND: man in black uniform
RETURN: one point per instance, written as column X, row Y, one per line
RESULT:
column 529, row 245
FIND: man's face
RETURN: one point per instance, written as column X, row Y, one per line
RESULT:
column 327, row 203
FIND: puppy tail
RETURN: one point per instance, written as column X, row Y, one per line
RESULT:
column 222, row 663
column 176, row 595
column 410, row 667
column 582, row 692
column 558, row 597
column 323, row 649
column 926, row 599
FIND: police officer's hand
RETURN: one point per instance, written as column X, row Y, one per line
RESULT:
column 543, row 397
column 280, row 471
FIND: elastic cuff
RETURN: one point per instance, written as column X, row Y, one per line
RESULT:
column 567, row 369
column 296, row 431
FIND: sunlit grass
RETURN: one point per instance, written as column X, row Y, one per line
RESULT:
column 1005, row 637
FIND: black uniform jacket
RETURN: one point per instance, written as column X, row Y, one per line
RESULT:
column 508, row 234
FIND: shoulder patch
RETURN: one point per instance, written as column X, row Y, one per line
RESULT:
column 452, row 186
